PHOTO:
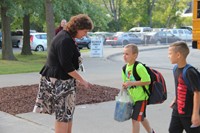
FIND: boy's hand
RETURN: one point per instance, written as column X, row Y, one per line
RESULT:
column 127, row 84
column 172, row 104
column 196, row 119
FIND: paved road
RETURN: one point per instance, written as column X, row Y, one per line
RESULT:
column 97, row 118
column 158, row 58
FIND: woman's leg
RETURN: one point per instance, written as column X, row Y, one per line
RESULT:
column 69, row 128
column 64, row 105
column 63, row 127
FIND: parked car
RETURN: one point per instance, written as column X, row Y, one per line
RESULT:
column 162, row 37
column 17, row 35
column 83, row 42
column 184, row 34
column 187, row 27
column 104, row 35
column 0, row 39
column 141, row 31
column 38, row 41
column 123, row 38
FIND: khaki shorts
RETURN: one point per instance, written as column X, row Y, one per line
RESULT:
column 56, row 96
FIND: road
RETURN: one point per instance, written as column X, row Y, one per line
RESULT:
column 98, row 118
column 158, row 58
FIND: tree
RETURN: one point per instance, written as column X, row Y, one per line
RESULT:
column 167, row 12
column 150, row 6
column 7, row 51
column 50, row 21
column 24, row 10
column 114, row 9
column 26, row 49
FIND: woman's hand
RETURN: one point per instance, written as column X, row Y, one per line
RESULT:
column 86, row 84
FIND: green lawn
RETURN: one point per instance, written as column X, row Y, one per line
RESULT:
column 25, row 63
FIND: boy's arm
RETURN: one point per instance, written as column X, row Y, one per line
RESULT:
column 135, row 83
column 172, row 103
column 196, row 109
column 145, row 78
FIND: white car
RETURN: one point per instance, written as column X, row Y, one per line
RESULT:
column 17, row 35
column 184, row 34
column 38, row 41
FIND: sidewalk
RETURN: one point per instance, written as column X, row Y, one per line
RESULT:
column 95, row 118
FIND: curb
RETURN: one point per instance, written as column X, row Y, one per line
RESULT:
column 140, row 50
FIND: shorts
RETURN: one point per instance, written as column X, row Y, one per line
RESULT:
column 139, row 110
column 178, row 124
column 56, row 96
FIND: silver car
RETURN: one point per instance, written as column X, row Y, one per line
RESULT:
column 123, row 38
column 38, row 41
column 162, row 37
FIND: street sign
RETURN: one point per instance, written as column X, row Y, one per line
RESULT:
column 96, row 49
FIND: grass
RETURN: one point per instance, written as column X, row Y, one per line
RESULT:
column 25, row 63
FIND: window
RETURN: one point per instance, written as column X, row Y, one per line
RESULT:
column 132, row 35
column 162, row 34
column 187, row 32
column 42, row 36
column 198, row 9
column 180, row 31
column 169, row 34
column 174, row 32
column 124, row 35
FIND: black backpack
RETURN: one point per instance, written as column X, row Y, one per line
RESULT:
column 157, row 88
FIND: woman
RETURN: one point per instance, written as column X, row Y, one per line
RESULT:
column 57, row 87
column 61, row 26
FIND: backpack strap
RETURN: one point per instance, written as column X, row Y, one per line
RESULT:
column 137, row 77
column 124, row 69
column 183, row 73
column 135, row 74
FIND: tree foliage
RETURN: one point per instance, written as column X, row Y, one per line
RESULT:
column 107, row 15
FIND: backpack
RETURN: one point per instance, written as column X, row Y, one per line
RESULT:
column 184, row 73
column 157, row 88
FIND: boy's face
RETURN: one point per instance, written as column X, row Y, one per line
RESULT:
column 129, row 56
column 173, row 56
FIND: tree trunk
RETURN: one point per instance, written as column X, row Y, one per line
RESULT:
column 150, row 10
column 169, row 17
column 7, row 51
column 26, row 49
column 50, row 21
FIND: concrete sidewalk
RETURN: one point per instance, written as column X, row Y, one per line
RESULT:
column 94, row 118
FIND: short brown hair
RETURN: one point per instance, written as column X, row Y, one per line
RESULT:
column 133, row 47
column 181, row 47
column 79, row 22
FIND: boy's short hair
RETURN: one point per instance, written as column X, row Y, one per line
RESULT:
column 133, row 47
column 181, row 47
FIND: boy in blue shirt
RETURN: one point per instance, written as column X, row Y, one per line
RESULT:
column 186, row 104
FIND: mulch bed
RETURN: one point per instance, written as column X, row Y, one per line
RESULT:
column 21, row 99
